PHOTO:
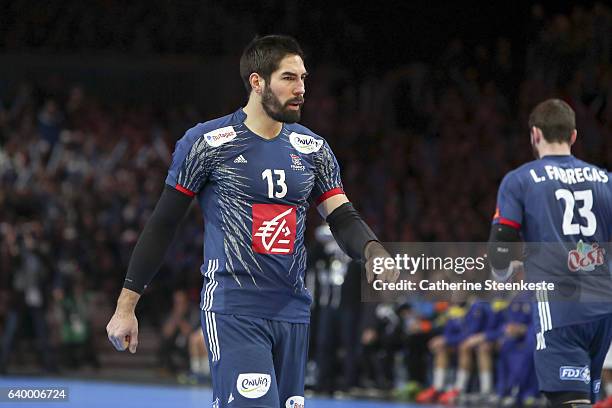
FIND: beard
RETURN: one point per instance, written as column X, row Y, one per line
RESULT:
column 278, row 111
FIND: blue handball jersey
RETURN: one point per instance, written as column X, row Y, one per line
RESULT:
column 563, row 208
column 254, row 194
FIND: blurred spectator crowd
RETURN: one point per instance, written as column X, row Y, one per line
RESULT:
column 422, row 149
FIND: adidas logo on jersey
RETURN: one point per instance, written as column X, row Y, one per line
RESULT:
column 231, row 398
column 240, row 159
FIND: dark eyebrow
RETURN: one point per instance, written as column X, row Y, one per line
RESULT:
column 305, row 74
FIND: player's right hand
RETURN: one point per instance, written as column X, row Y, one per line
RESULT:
column 122, row 330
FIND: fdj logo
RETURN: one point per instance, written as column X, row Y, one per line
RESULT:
column 585, row 257
column 570, row 373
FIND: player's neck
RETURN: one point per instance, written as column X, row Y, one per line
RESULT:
column 555, row 149
column 259, row 122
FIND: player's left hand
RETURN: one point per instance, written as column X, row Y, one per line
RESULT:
column 375, row 250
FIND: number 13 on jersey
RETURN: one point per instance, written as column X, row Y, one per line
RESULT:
column 279, row 177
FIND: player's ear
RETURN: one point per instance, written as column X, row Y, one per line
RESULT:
column 257, row 83
column 536, row 135
column 573, row 137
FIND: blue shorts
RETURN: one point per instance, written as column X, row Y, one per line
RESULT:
column 255, row 362
column 571, row 358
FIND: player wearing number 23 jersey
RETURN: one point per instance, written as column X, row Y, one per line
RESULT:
column 565, row 206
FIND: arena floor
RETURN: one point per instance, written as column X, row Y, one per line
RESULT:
column 97, row 394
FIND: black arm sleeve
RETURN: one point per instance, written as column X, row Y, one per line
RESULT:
column 503, row 246
column 156, row 238
column 350, row 231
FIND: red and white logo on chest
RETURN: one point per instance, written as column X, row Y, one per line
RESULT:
column 273, row 228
